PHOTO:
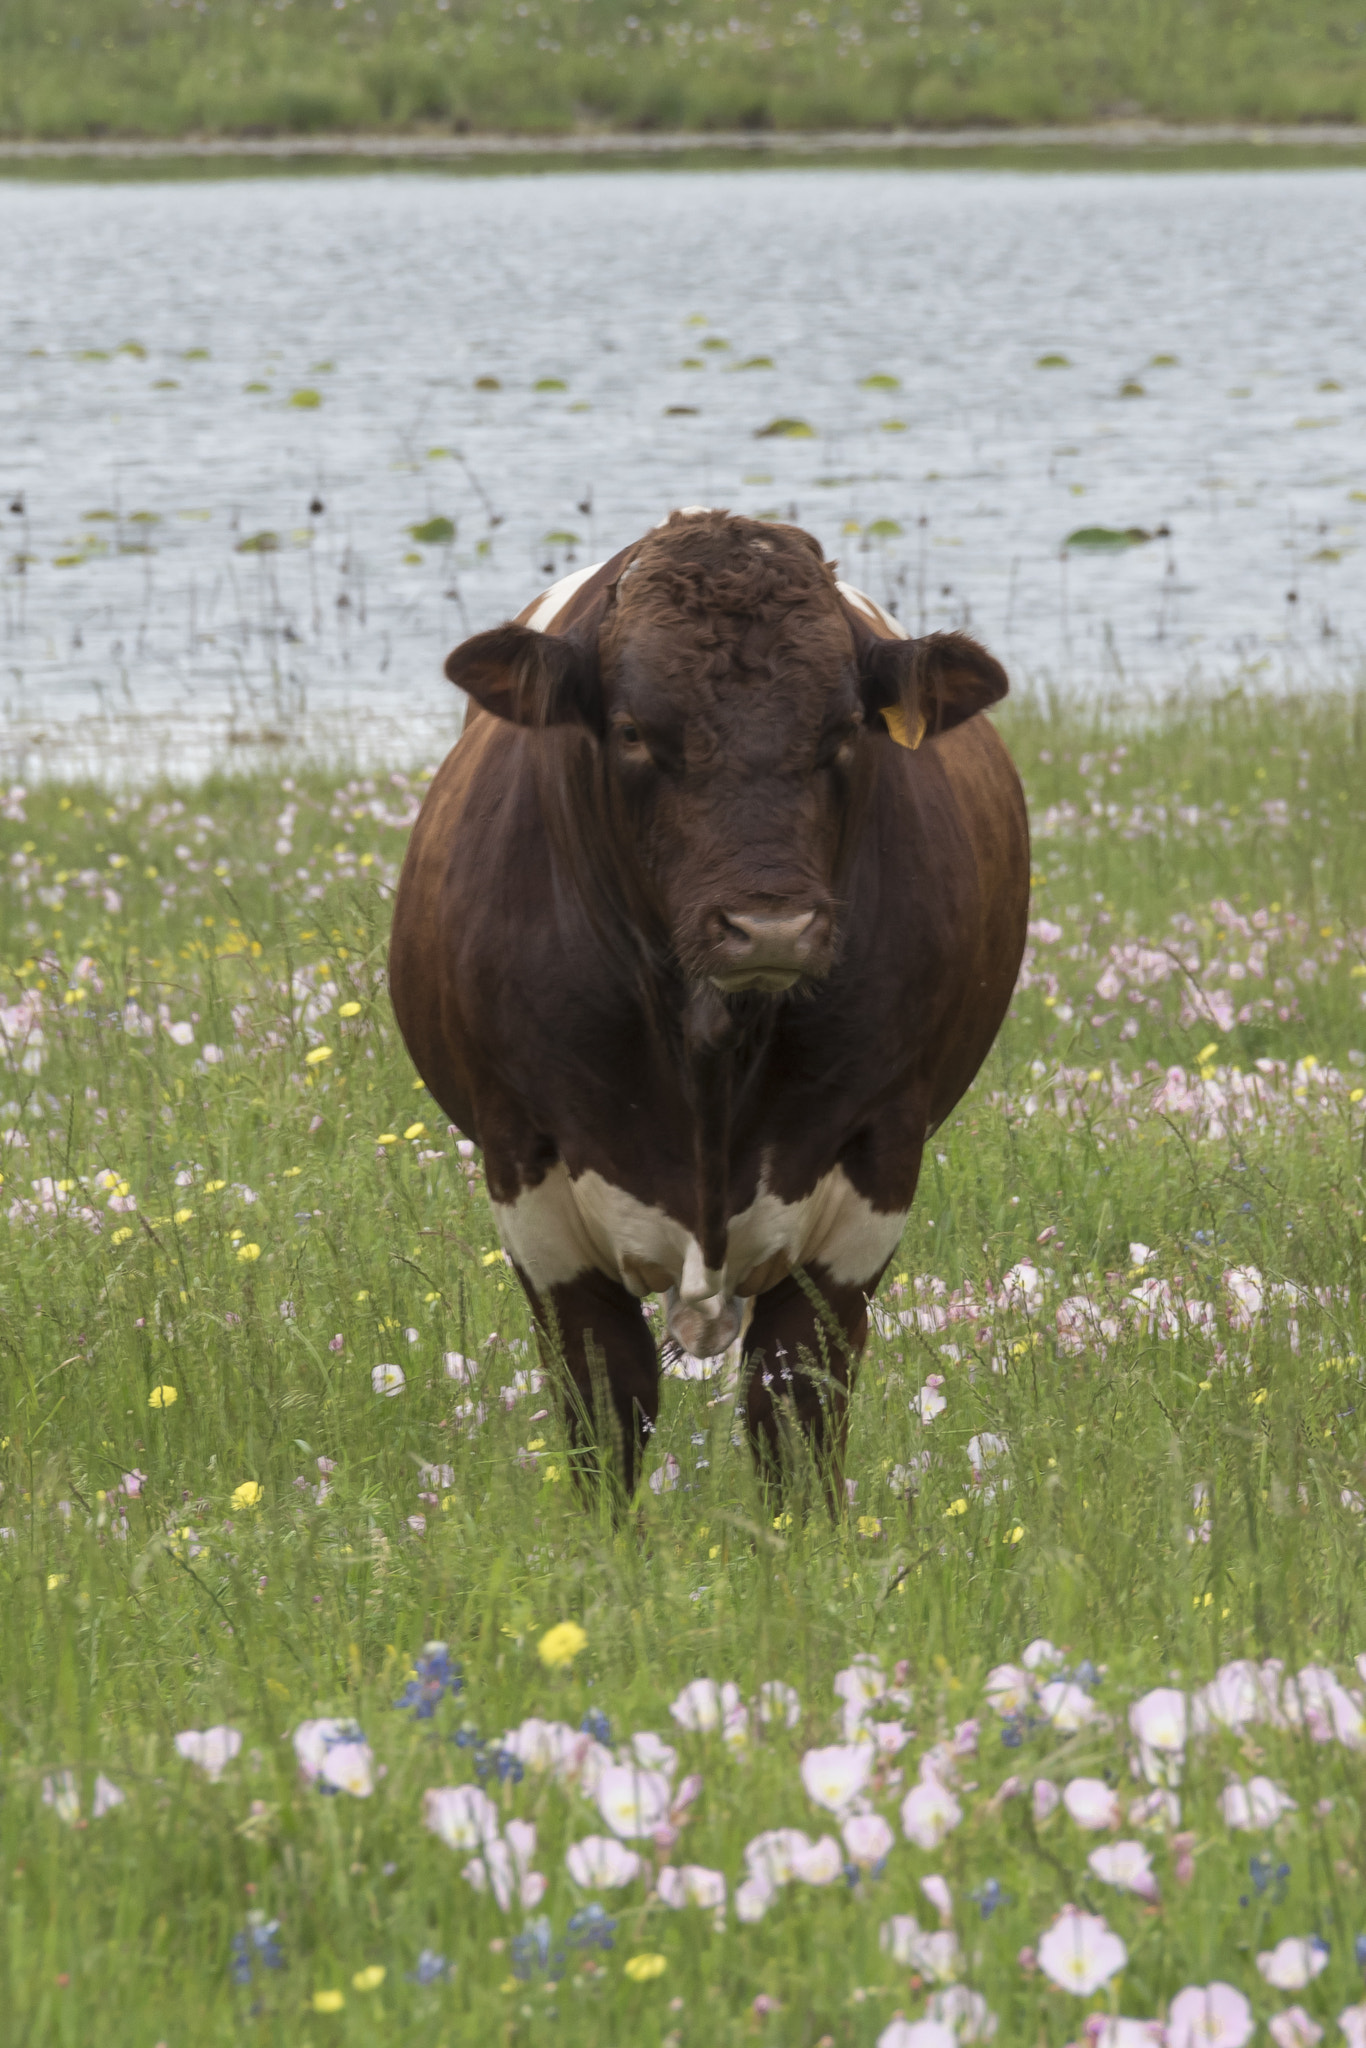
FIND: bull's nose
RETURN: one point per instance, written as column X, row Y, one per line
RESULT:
column 764, row 952
column 767, row 941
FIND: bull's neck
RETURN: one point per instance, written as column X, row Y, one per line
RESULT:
column 721, row 1049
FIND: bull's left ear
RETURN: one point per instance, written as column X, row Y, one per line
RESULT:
column 926, row 686
column 533, row 678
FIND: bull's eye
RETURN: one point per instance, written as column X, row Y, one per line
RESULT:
column 631, row 741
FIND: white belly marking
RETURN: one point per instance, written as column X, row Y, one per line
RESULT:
column 565, row 1227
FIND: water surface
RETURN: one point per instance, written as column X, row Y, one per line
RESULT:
column 148, row 427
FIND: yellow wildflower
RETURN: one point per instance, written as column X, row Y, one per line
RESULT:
column 317, row 1056
column 328, row 2001
column 641, row 1969
column 370, row 1978
column 249, row 1252
column 562, row 1644
column 248, row 1494
column 162, row 1397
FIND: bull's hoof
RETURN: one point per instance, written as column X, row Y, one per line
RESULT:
column 704, row 1329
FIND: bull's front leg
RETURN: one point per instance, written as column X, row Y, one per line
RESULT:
column 600, row 1355
column 800, row 1354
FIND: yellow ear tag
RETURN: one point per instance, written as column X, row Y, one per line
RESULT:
column 894, row 718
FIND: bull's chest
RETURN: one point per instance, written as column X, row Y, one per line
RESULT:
column 565, row 1227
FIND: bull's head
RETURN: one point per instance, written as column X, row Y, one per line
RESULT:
column 733, row 699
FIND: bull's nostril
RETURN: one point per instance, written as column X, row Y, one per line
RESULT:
column 777, row 935
column 771, row 942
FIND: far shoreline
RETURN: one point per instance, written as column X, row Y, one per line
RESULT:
column 1121, row 143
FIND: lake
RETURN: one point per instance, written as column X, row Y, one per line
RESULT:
column 269, row 448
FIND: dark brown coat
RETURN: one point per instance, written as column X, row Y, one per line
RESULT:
column 699, row 953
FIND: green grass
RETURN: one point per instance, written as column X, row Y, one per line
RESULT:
column 231, row 67
column 256, row 913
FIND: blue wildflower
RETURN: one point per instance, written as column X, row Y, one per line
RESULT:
column 1087, row 1676
column 988, row 1896
column 591, row 1927
column 533, row 1949
column 1012, row 1734
column 596, row 1724
column 1360, row 1951
column 430, row 1968
column 256, row 1943
column 499, row 1763
column 436, row 1676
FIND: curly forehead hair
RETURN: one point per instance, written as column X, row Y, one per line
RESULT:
column 715, row 563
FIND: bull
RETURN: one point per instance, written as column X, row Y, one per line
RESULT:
column 708, row 920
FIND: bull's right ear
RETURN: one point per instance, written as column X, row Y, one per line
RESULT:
column 532, row 678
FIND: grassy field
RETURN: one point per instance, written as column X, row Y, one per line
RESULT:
column 172, row 67
column 270, row 1423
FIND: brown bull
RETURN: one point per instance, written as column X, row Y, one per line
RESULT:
column 708, row 920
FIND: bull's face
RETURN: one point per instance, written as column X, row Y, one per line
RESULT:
column 733, row 699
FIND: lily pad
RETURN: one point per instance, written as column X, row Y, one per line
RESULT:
column 438, row 455
column 785, row 430
column 134, row 349
column 894, row 426
column 550, row 384
column 92, row 355
column 68, row 561
column 1310, row 425
column 714, row 342
column 488, row 384
column 1053, row 361
column 764, row 476
column 1326, row 555
column 692, row 363
column 1107, row 539
column 677, row 412
column 560, row 538
column 432, row 532
column 881, row 380
column 323, row 369
column 412, row 559
column 579, row 405
column 1328, row 384
column 884, row 529
column 194, row 355
column 144, row 518
column 256, row 385
column 1131, row 388
column 263, row 543
column 306, row 400
column 89, row 518
column 757, row 363
column 166, row 384
column 1163, row 362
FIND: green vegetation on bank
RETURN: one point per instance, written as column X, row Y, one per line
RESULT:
column 239, row 67
column 269, row 1420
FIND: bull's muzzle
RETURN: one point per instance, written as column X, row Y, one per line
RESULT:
column 767, row 954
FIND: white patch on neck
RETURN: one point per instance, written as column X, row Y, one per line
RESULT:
column 564, row 1227
column 557, row 597
column 871, row 609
